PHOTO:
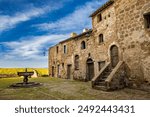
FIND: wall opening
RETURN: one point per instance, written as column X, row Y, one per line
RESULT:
column 65, row 49
column 101, row 38
column 53, row 72
column 101, row 64
column 83, row 45
column 57, row 49
column 90, row 69
column 58, row 71
column 69, row 67
column 76, row 62
column 114, row 54
column 147, row 20
column 99, row 17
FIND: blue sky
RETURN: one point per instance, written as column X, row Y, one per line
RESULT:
column 29, row 27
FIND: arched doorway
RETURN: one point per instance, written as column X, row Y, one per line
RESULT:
column 114, row 55
column 90, row 69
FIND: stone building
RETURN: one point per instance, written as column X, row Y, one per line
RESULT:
column 114, row 53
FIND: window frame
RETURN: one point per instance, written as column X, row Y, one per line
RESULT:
column 147, row 20
column 57, row 49
column 101, row 38
column 83, row 45
column 65, row 49
column 76, row 62
column 99, row 65
column 99, row 18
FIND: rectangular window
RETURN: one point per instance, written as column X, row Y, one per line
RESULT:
column 147, row 20
column 57, row 49
column 76, row 63
column 101, row 38
column 65, row 49
column 63, row 65
column 101, row 64
column 99, row 17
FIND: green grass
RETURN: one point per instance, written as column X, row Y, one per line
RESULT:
column 41, row 71
column 56, row 89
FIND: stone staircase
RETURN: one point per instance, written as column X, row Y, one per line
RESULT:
column 98, row 82
column 111, row 78
column 101, row 84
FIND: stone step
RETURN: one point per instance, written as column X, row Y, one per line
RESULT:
column 101, row 83
column 104, row 77
column 106, row 73
column 102, row 80
column 98, row 87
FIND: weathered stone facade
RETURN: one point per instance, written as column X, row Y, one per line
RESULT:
column 119, row 33
column 133, row 37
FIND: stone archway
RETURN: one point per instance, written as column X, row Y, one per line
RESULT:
column 114, row 55
column 90, row 69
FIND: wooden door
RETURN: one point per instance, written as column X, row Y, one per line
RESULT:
column 114, row 56
column 69, row 71
column 58, row 71
column 53, row 71
column 90, row 69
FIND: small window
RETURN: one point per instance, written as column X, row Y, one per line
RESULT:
column 101, row 38
column 57, row 49
column 65, row 49
column 147, row 20
column 83, row 45
column 76, row 62
column 63, row 65
column 99, row 17
column 101, row 64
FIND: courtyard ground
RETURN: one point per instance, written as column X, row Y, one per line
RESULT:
column 63, row 89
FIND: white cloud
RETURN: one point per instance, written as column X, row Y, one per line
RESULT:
column 28, row 49
column 8, row 22
column 29, row 52
column 32, row 47
column 77, row 20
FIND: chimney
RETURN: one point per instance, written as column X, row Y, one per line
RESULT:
column 73, row 34
column 85, row 30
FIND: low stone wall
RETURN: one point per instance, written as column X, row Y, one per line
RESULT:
column 119, row 78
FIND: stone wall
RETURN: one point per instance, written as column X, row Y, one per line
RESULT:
column 133, row 37
column 73, row 49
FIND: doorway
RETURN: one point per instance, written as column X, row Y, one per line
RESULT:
column 69, row 71
column 90, row 69
column 114, row 55
column 58, row 71
column 53, row 71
